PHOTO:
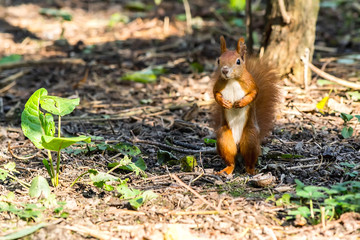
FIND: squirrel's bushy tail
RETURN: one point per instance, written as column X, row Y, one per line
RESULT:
column 267, row 80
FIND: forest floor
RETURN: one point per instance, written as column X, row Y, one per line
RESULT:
column 168, row 120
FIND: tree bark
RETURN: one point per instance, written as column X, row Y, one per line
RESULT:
column 285, row 43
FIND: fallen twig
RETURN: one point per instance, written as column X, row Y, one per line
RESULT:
column 305, row 166
column 333, row 78
column 18, row 157
column 32, row 63
column 6, row 88
column 139, row 110
column 197, row 212
column 202, row 198
column 13, row 77
column 92, row 232
column 172, row 148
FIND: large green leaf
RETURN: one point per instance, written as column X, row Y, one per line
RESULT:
column 31, row 118
column 56, row 144
column 57, row 105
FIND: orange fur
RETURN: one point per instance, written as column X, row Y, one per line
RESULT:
column 258, row 81
column 226, row 148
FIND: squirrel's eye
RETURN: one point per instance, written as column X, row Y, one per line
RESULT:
column 238, row 61
column 218, row 61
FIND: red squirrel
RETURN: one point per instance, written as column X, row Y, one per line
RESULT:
column 246, row 93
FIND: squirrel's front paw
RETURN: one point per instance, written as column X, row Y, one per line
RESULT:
column 226, row 104
column 239, row 104
column 222, row 102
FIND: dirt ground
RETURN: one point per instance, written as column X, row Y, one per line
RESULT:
column 175, row 110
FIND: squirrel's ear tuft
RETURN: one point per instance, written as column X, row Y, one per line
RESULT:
column 241, row 48
column 222, row 44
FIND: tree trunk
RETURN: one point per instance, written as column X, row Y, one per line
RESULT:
column 286, row 43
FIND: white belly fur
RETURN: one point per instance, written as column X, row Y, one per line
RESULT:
column 235, row 117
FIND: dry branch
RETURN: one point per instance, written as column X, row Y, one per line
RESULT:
column 172, row 148
column 333, row 78
column 91, row 232
column 202, row 198
column 32, row 63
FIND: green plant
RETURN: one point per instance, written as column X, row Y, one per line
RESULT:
column 348, row 131
column 40, row 127
column 348, row 167
column 315, row 203
column 8, row 170
column 108, row 182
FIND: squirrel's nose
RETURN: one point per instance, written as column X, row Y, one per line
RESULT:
column 225, row 70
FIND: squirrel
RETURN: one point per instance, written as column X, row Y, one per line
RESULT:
column 246, row 92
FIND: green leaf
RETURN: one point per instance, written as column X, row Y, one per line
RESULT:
column 303, row 194
column 303, row 211
column 358, row 117
column 349, row 165
column 52, row 12
column 99, row 179
column 347, row 132
column 108, row 187
column 181, row 17
column 137, row 6
column 136, row 197
column 47, row 166
column 64, row 215
column 39, row 188
column 314, row 192
column 57, row 105
column 355, row 95
column 196, row 67
column 149, row 195
column 116, row 18
column 237, row 5
column 31, row 123
column 10, row 166
column 209, row 141
column 346, row 117
column 10, row 59
column 23, row 232
column 126, row 192
column 322, row 82
column 165, row 157
column 284, row 200
column 127, row 149
column 188, row 163
column 3, row 174
column 56, row 144
column 138, row 167
column 147, row 75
